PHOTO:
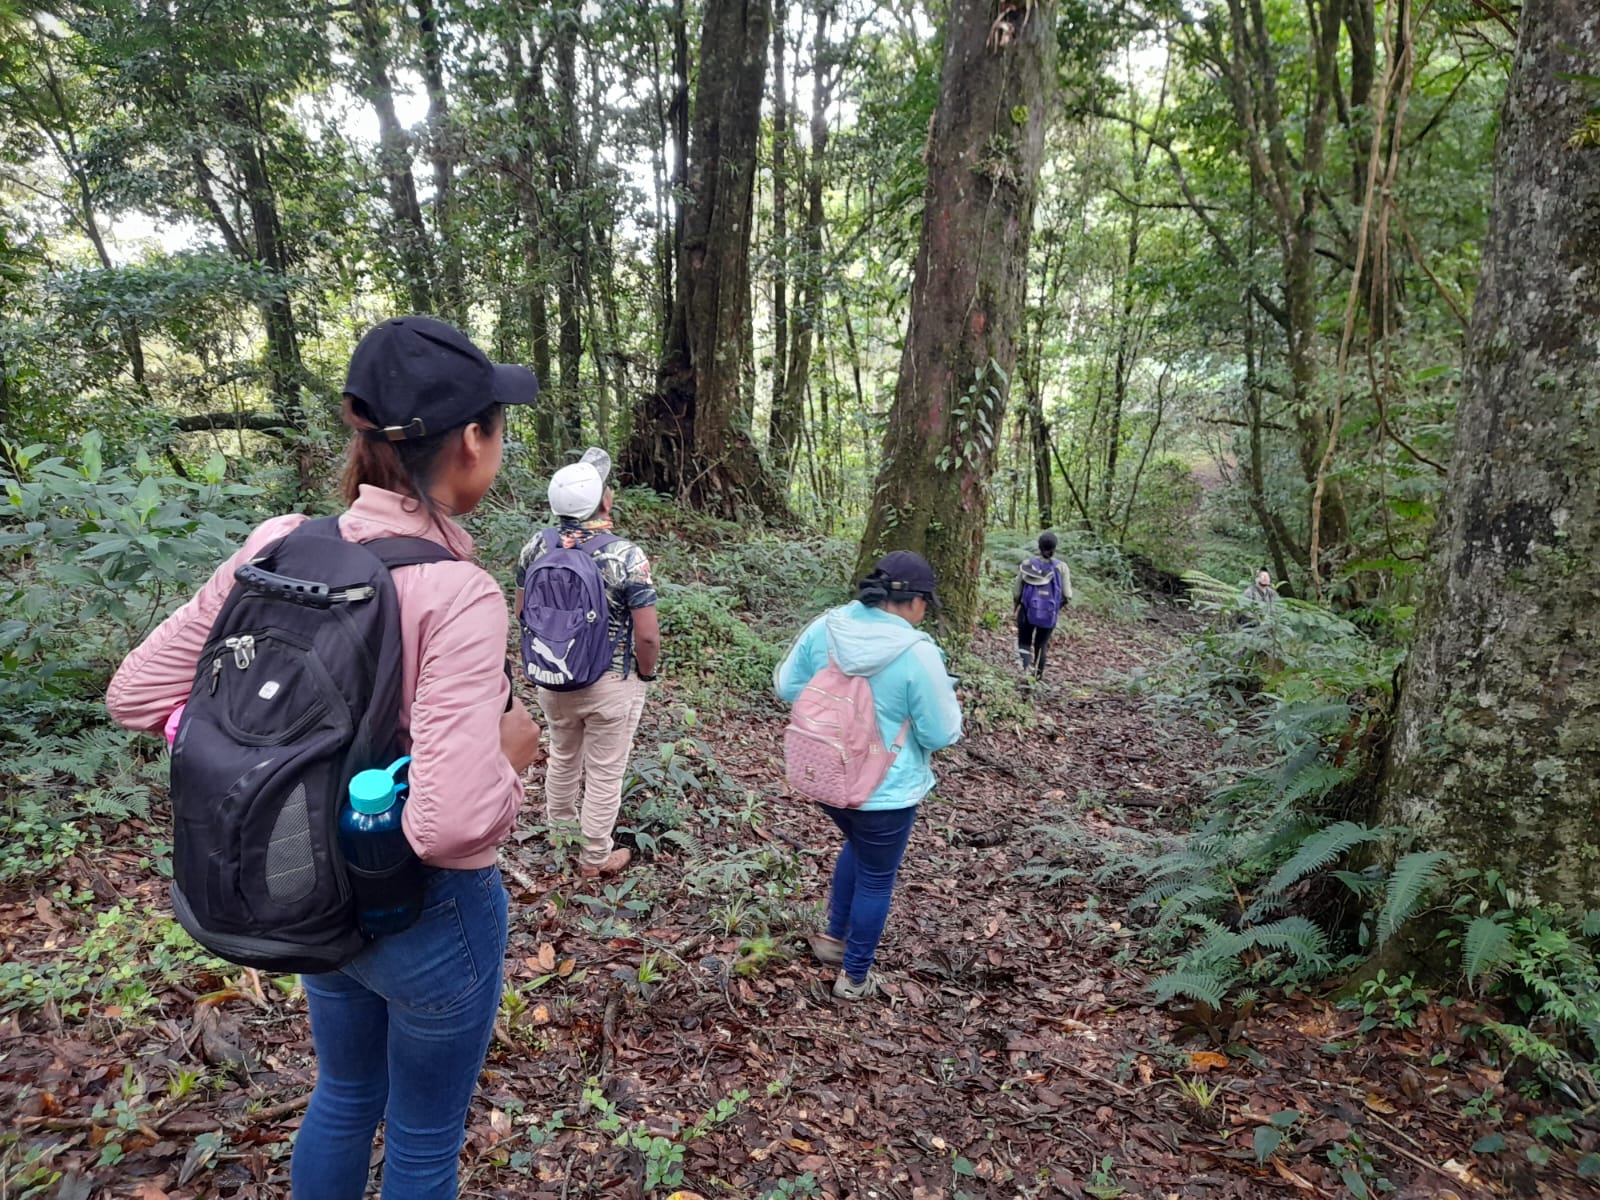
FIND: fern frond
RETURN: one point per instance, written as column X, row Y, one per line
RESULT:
column 1291, row 935
column 1316, row 781
column 1203, row 986
column 1485, row 949
column 1176, row 899
column 1317, row 851
column 1591, row 923
column 1408, row 883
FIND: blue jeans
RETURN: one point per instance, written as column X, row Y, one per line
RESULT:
column 401, row 1034
column 863, row 879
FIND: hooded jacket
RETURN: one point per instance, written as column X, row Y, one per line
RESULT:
column 464, row 794
column 906, row 672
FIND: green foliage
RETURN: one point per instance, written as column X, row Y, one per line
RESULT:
column 1386, row 1003
column 1300, row 696
column 720, row 661
column 1543, row 966
column 114, row 972
column 95, row 554
column 1409, row 882
column 661, row 1153
column 1161, row 524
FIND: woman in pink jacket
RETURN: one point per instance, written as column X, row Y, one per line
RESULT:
column 401, row 1032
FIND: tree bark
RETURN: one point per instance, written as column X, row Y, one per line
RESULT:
column 1496, row 754
column 780, row 448
column 571, row 228
column 1289, row 179
column 803, row 321
column 984, row 150
column 687, row 438
column 441, row 155
column 394, row 157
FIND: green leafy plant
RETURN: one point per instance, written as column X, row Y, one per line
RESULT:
column 1544, row 967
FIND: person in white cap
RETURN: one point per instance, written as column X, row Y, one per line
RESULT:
column 591, row 723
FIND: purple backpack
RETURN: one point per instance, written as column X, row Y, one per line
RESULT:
column 1041, row 602
column 566, row 625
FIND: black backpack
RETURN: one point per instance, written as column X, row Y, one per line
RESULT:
column 298, row 688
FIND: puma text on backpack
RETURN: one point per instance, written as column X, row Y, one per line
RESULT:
column 1041, row 593
column 832, row 750
column 566, row 625
column 298, row 688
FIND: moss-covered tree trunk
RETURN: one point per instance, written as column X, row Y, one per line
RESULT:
column 691, row 437
column 1496, row 754
column 983, row 155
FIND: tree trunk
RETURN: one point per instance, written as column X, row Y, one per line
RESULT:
column 779, row 448
column 285, row 372
column 394, row 158
column 687, row 439
column 1290, row 182
column 1496, row 755
column 524, row 168
column 571, row 228
column 984, row 151
column 441, row 155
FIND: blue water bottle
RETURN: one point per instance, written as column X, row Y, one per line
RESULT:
column 384, row 870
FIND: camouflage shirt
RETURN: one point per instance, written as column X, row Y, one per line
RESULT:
column 624, row 568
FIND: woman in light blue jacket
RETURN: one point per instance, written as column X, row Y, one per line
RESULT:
column 876, row 637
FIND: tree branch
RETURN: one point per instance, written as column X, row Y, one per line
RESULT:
column 261, row 422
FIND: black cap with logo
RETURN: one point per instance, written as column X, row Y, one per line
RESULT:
column 419, row 377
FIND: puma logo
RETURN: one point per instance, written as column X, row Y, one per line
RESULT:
column 550, row 655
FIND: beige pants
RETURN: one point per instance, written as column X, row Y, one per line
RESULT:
column 591, row 732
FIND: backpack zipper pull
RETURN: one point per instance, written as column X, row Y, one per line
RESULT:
column 244, row 650
column 216, row 670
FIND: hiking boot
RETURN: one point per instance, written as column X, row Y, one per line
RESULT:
column 827, row 950
column 614, row 862
column 845, row 988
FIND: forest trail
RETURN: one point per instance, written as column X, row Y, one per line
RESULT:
column 1017, row 1053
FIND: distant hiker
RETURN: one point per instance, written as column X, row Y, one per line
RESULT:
column 1043, row 588
column 1261, row 590
column 401, row 1029
column 590, row 642
column 915, row 709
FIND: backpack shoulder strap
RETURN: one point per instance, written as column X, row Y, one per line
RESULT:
column 395, row 552
column 392, row 552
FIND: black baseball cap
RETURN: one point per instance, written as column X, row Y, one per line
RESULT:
column 419, row 377
column 908, row 572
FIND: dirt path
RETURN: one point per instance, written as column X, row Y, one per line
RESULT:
column 1016, row 1054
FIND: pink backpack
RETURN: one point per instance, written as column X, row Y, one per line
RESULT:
column 832, row 752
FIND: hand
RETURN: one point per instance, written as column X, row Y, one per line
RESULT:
column 519, row 738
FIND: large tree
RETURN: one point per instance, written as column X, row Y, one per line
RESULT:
column 983, row 154
column 691, row 437
column 1496, row 755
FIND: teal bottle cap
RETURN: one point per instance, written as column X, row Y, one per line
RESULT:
column 374, row 791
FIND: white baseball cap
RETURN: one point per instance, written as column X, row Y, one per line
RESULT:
column 577, row 488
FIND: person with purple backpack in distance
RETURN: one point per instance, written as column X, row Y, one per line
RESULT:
column 590, row 643
column 1042, row 590
column 914, row 711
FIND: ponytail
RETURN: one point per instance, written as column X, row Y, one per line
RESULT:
column 873, row 591
column 405, row 467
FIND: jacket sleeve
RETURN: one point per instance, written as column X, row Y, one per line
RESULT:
column 806, row 657
column 156, row 677
column 464, row 794
column 1016, row 586
column 934, row 710
column 1066, row 581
